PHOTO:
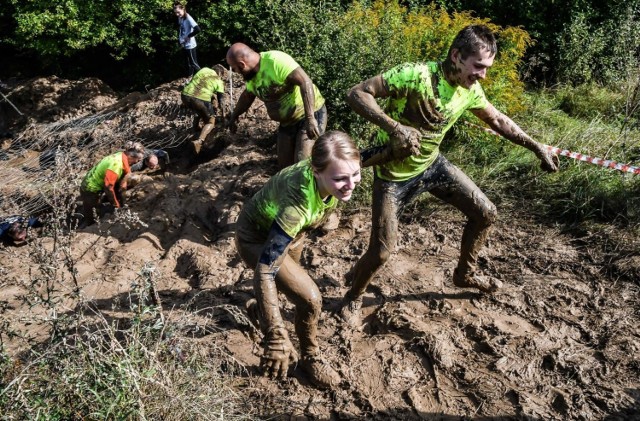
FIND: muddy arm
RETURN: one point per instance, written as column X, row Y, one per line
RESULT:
column 110, row 180
column 362, row 99
column 300, row 78
column 222, row 103
column 511, row 131
column 272, row 256
column 244, row 102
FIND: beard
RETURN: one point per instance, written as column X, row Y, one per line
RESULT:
column 249, row 75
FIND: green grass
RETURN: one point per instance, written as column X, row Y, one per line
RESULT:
column 138, row 365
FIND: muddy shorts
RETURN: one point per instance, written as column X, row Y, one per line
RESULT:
column 204, row 109
column 441, row 174
column 292, row 130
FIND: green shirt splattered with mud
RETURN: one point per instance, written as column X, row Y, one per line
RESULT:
column 291, row 199
column 411, row 86
column 282, row 99
column 204, row 84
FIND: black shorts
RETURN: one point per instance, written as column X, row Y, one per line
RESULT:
column 204, row 109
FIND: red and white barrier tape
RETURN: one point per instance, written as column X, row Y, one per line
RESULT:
column 607, row 163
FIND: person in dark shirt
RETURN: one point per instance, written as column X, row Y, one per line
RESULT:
column 13, row 229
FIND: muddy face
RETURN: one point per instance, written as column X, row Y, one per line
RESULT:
column 466, row 71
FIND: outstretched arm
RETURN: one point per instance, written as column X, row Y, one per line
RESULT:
column 510, row 130
column 299, row 77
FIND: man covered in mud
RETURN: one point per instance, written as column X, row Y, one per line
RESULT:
column 108, row 177
column 424, row 100
column 289, row 94
column 269, row 236
column 198, row 95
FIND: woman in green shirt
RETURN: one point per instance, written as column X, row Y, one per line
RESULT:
column 296, row 199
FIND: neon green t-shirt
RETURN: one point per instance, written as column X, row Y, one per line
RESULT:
column 204, row 84
column 410, row 85
column 290, row 198
column 94, row 179
column 282, row 99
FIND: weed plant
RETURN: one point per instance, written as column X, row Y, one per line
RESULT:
column 80, row 361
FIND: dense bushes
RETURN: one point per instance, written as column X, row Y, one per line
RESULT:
column 341, row 47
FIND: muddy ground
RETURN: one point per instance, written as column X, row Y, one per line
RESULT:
column 561, row 340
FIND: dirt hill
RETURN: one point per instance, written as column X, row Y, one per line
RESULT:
column 560, row 341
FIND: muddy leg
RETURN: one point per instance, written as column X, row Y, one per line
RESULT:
column 207, row 129
column 463, row 193
column 296, row 247
column 296, row 284
column 90, row 205
column 303, row 146
column 384, row 232
column 286, row 148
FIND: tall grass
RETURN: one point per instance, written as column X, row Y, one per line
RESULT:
column 585, row 119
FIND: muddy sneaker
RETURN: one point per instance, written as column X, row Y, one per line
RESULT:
column 473, row 280
column 197, row 145
column 320, row 372
column 350, row 311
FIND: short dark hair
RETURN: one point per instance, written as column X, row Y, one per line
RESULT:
column 472, row 39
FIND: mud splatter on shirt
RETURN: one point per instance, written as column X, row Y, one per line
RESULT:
column 291, row 199
column 282, row 99
column 204, row 84
column 414, row 89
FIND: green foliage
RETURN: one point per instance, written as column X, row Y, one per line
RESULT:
column 600, row 50
column 591, row 101
column 54, row 28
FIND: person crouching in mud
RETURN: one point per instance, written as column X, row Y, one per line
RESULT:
column 424, row 101
column 268, row 238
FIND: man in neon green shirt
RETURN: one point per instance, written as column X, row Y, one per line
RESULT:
column 108, row 177
column 197, row 95
column 289, row 94
column 424, row 101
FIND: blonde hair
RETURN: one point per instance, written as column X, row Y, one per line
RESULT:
column 331, row 146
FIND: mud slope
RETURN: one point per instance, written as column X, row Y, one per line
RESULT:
column 560, row 341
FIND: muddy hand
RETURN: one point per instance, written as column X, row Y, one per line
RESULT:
column 313, row 132
column 548, row 160
column 405, row 141
column 278, row 353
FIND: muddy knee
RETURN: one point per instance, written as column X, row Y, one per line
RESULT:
column 310, row 306
column 485, row 215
